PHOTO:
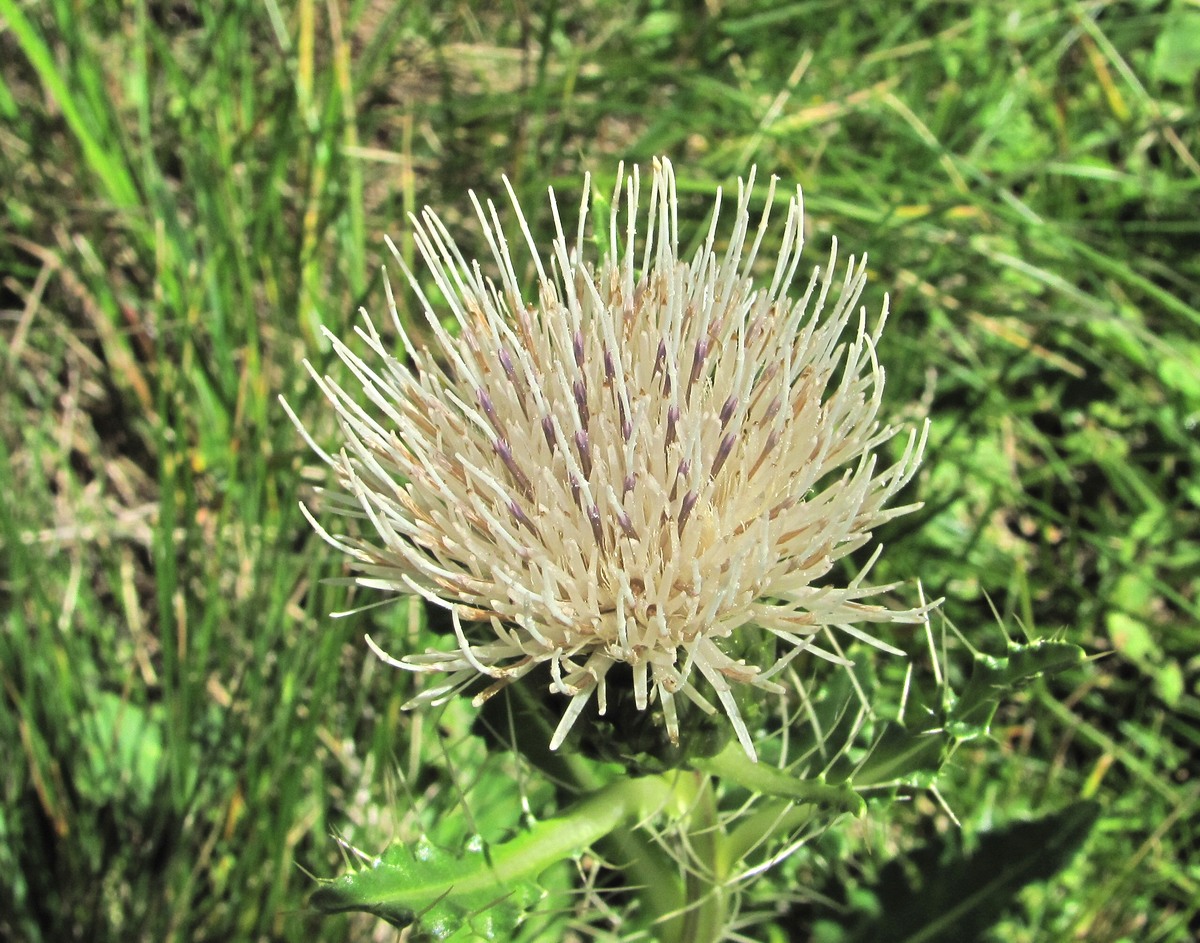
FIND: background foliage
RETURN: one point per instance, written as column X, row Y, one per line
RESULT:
column 191, row 188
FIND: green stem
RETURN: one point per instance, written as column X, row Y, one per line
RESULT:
column 581, row 825
column 733, row 765
column 655, row 875
column 707, row 904
column 645, row 865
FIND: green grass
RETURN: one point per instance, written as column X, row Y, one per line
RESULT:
column 191, row 189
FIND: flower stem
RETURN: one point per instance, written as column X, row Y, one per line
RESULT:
column 647, row 867
column 583, row 824
column 707, row 904
column 733, row 765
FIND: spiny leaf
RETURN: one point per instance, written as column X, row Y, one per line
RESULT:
column 994, row 678
column 911, row 751
column 485, row 890
column 441, row 892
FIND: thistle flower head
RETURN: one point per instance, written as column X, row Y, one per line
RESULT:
column 619, row 471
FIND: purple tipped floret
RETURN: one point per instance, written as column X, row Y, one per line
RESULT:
column 485, row 403
column 727, row 410
column 522, row 518
column 504, row 451
column 626, row 525
column 723, row 453
column 685, row 509
column 593, row 515
column 507, row 365
column 581, row 405
column 585, row 452
column 659, row 358
column 698, row 360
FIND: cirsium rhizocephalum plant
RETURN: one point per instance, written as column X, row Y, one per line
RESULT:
column 632, row 485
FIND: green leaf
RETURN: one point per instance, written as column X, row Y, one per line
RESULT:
column 124, row 748
column 1132, row 638
column 909, row 752
column 903, row 755
column 441, row 892
column 1177, row 52
column 994, row 678
column 939, row 894
column 659, row 26
column 485, row 891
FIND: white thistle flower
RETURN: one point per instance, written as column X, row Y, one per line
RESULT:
column 627, row 469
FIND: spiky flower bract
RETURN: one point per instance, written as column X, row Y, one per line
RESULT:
column 621, row 469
